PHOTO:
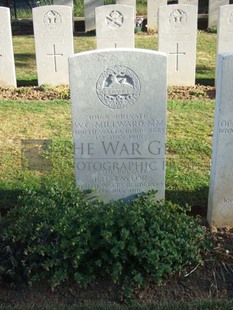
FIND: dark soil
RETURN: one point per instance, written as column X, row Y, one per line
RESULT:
column 62, row 92
column 212, row 280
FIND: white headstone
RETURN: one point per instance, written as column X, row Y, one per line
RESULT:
column 220, row 206
column 191, row 2
column 89, row 12
column 54, row 43
column 119, row 121
column 177, row 38
column 64, row 2
column 7, row 63
column 225, row 29
column 127, row 2
column 114, row 26
column 213, row 11
column 152, row 13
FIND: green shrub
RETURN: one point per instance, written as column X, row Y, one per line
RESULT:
column 59, row 234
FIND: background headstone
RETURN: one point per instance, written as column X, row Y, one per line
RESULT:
column 191, row 2
column 224, row 32
column 225, row 29
column 127, row 2
column 115, row 26
column 64, row 2
column 54, row 43
column 119, row 121
column 7, row 63
column 152, row 13
column 89, row 12
column 220, row 205
column 213, row 11
column 177, row 38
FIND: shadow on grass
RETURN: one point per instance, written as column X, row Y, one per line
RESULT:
column 207, row 80
column 9, row 199
column 21, row 60
column 198, row 199
column 32, row 82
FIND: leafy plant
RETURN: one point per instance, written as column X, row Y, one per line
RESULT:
column 60, row 234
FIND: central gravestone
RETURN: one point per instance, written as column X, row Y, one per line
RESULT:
column 119, row 121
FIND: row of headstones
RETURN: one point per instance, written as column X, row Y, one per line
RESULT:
column 152, row 9
column 115, row 28
column 153, row 5
column 119, row 127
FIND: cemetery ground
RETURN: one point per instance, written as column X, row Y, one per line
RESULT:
column 31, row 113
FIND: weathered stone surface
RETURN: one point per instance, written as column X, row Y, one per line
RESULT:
column 64, row 2
column 53, row 32
column 115, row 26
column 89, row 12
column 152, row 13
column 213, row 11
column 220, row 206
column 191, row 2
column 225, row 29
column 177, row 38
column 127, row 2
column 119, row 121
column 7, row 63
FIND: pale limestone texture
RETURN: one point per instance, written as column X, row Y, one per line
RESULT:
column 225, row 29
column 89, row 12
column 53, row 33
column 152, row 13
column 213, row 11
column 115, row 26
column 64, row 2
column 127, row 2
column 177, row 38
column 119, row 121
column 191, row 2
column 7, row 63
column 220, row 205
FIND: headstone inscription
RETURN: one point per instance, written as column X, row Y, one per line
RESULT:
column 177, row 37
column 119, row 121
column 54, row 43
column 191, row 2
column 220, row 204
column 89, row 12
column 7, row 63
column 213, row 11
column 115, row 26
column 152, row 13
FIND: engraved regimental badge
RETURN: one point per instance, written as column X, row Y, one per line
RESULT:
column 178, row 18
column 114, row 20
column 118, row 87
column 52, row 19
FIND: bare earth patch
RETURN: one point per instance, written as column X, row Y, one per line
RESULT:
column 45, row 92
